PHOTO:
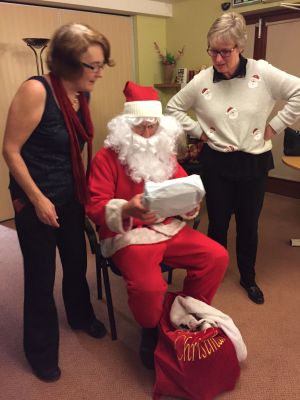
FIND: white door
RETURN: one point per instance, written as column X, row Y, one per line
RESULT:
column 279, row 47
column 283, row 52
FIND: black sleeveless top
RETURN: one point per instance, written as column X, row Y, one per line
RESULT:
column 47, row 154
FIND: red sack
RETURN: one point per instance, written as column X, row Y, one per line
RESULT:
column 193, row 365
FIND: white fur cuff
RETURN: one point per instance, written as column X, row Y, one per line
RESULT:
column 113, row 216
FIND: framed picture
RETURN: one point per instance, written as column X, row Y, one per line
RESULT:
column 236, row 3
column 181, row 76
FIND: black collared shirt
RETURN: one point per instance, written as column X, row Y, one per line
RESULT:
column 239, row 73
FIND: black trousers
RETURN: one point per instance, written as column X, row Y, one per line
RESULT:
column 244, row 198
column 38, row 243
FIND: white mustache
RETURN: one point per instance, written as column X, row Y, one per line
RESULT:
column 145, row 144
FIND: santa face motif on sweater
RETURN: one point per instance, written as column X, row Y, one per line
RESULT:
column 257, row 134
column 206, row 93
column 146, row 159
column 212, row 131
column 253, row 82
column 232, row 113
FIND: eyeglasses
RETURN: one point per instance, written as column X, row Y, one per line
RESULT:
column 225, row 53
column 93, row 67
column 143, row 127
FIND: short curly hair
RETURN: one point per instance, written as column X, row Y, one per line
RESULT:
column 229, row 26
column 68, row 44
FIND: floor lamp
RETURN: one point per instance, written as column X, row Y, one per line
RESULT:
column 37, row 45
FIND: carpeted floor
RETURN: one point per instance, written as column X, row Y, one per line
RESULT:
column 109, row 370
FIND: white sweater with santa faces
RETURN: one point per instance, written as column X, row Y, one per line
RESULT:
column 233, row 113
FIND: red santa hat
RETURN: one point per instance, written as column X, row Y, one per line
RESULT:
column 141, row 101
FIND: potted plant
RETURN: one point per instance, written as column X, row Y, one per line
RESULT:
column 168, row 61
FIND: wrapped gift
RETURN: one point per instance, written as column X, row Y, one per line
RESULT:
column 174, row 196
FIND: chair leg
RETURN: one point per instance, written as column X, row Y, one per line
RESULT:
column 170, row 276
column 109, row 303
column 99, row 281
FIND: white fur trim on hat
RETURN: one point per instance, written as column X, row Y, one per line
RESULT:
column 146, row 108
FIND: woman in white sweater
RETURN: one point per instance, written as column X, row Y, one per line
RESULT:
column 232, row 101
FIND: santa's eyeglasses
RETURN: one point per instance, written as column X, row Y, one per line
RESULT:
column 142, row 123
column 144, row 127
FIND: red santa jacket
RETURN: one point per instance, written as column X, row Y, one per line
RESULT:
column 110, row 187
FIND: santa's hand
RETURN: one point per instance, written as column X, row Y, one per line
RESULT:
column 192, row 214
column 149, row 218
column 134, row 208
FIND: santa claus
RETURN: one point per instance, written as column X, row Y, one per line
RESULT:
column 141, row 146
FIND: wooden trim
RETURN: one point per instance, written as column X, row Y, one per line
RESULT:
column 267, row 16
column 260, row 44
column 271, row 16
column 283, row 187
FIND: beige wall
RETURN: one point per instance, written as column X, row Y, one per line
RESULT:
column 189, row 25
column 147, row 31
column 148, row 67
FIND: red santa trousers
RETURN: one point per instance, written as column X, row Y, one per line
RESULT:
column 204, row 260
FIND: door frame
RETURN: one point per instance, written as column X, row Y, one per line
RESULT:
column 261, row 19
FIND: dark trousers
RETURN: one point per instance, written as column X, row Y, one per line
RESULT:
column 38, row 243
column 244, row 198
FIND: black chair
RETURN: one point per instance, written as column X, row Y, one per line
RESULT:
column 103, row 264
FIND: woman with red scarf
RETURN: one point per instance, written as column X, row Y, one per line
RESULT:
column 47, row 126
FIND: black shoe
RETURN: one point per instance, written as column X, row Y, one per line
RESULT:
column 147, row 346
column 47, row 375
column 254, row 292
column 95, row 329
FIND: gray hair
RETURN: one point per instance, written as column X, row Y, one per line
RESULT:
column 230, row 26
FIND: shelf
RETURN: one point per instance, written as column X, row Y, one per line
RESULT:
column 167, row 85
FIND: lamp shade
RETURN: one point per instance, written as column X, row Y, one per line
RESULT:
column 38, row 43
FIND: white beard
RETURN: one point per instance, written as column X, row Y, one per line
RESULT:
column 147, row 159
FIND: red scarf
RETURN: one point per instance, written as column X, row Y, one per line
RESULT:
column 75, row 128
